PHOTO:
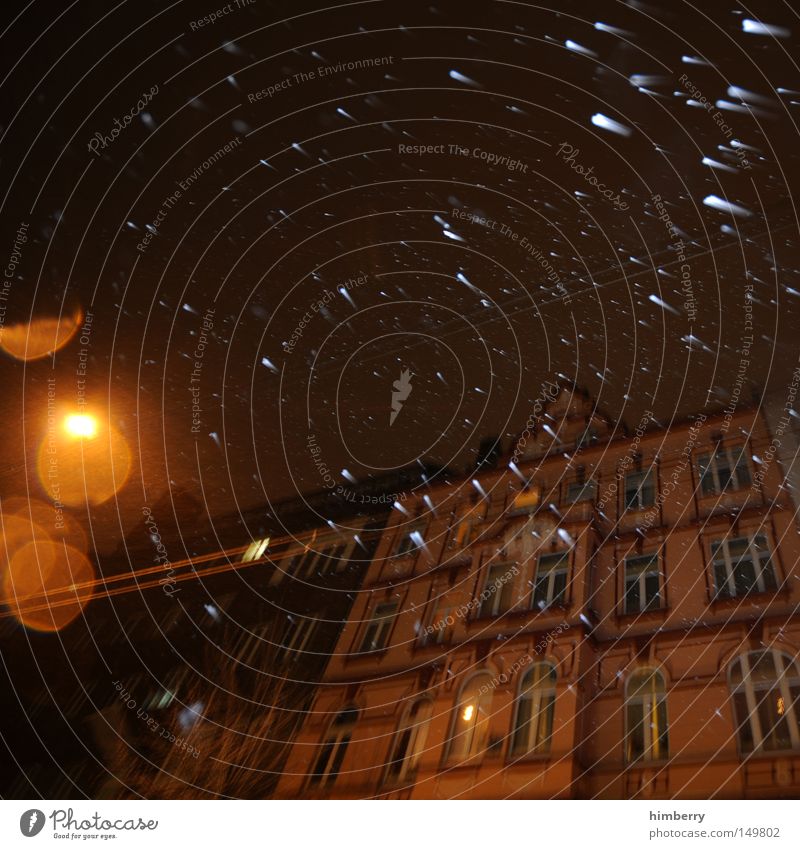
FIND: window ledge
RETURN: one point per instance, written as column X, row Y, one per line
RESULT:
column 366, row 655
column 654, row 763
column 726, row 602
column 541, row 757
column 529, row 612
column 766, row 754
column 646, row 615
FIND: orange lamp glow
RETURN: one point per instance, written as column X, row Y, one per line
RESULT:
column 81, row 426
column 469, row 712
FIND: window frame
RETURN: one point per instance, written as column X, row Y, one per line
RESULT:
column 761, row 557
column 589, row 485
column 551, row 598
column 633, row 498
column 537, row 694
column 755, row 696
column 738, row 469
column 497, row 600
column 383, row 626
column 440, row 612
column 335, row 741
column 654, row 557
column 299, row 638
column 414, row 746
column 654, row 704
column 472, row 743
column 400, row 547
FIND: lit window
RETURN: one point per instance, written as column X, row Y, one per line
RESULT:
column 526, row 500
column 642, row 583
column 470, row 724
column 464, row 533
column 409, row 741
column 550, row 586
column 533, row 720
column 646, row 716
column 498, row 591
column 765, row 687
column 255, row 551
column 725, row 467
column 581, row 491
column 333, row 748
column 640, row 490
column 377, row 634
column 742, row 566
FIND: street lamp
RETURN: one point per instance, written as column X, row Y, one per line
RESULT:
column 81, row 426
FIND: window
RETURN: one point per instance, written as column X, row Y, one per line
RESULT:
column 642, row 583
column 440, row 628
column 533, row 721
column 646, row 716
column 330, row 560
column 550, row 586
column 409, row 741
column 581, row 491
column 377, row 634
column 258, row 647
column 298, row 636
column 765, row 688
column 470, row 724
column 255, row 551
column 464, row 532
column 498, row 591
column 742, row 566
column 588, row 437
column 640, row 490
column 526, row 500
column 724, row 467
column 333, row 748
column 410, row 538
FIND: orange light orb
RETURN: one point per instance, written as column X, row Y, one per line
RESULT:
column 41, row 336
column 47, row 585
column 15, row 533
column 81, row 426
column 78, row 468
column 49, row 521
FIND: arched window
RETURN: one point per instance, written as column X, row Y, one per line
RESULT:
column 409, row 741
column 533, row 720
column 646, row 716
column 470, row 724
column 765, row 687
column 333, row 748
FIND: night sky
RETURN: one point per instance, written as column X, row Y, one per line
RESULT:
column 492, row 195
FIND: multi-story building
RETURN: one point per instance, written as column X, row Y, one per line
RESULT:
column 603, row 614
column 184, row 625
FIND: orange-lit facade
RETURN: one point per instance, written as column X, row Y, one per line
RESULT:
column 603, row 614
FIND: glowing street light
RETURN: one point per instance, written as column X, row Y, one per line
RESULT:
column 81, row 426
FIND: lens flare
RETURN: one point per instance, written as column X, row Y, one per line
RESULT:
column 81, row 426
column 47, row 585
column 41, row 336
column 83, row 462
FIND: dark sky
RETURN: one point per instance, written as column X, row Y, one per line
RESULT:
column 315, row 191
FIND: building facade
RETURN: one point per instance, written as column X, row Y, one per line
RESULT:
column 182, row 655
column 601, row 615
